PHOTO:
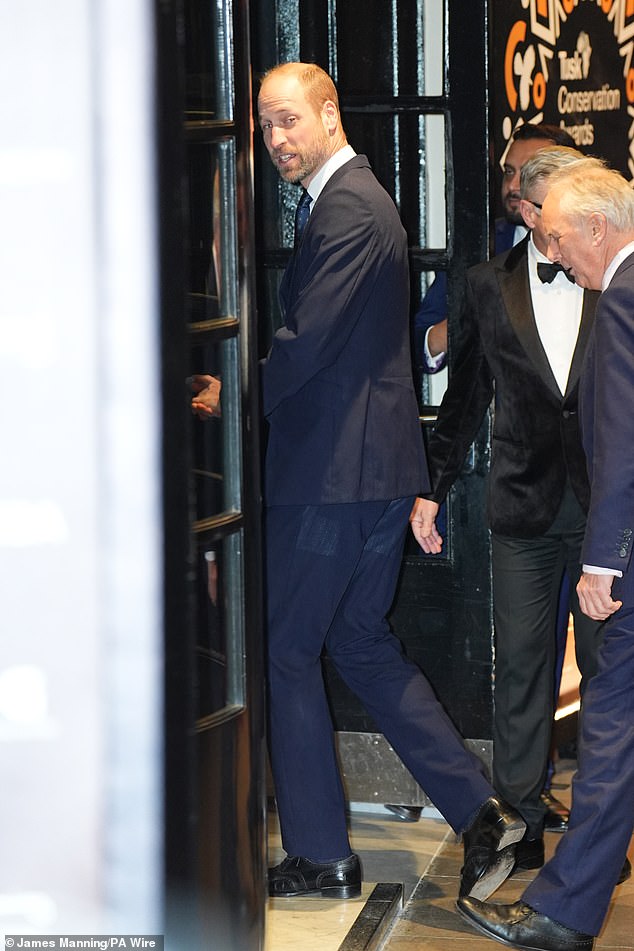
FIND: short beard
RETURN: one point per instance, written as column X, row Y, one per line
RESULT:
column 309, row 161
column 513, row 217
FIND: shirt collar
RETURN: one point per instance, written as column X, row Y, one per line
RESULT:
column 615, row 263
column 327, row 170
column 535, row 254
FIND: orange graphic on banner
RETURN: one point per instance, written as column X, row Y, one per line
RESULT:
column 539, row 90
column 517, row 35
column 542, row 8
column 569, row 6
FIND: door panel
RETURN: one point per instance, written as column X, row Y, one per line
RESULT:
column 215, row 856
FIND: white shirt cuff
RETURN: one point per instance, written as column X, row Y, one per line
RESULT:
column 432, row 363
column 594, row 570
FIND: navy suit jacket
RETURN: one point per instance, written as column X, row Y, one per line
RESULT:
column 337, row 385
column 536, row 443
column 607, row 421
column 434, row 306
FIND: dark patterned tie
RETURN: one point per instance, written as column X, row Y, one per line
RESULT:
column 547, row 273
column 302, row 214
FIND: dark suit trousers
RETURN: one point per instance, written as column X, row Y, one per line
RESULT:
column 331, row 577
column 576, row 885
column 527, row 574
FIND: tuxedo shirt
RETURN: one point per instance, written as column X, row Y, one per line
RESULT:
column 557, row 306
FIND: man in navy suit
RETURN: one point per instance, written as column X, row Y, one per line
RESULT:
column 589, row 218
column 344, row 461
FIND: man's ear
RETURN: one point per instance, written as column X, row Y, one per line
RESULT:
column 598, row 227
column 330, row 116
column 528, row 213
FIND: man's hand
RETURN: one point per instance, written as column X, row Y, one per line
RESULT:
column 206, row 402
column 437, row 338
column 422, row 520
column 595, row 596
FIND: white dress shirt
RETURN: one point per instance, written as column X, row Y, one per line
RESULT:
column 328, row 169
column 557, row 307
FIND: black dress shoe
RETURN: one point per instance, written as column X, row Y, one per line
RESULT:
column 489, row 848
column 297, row 876
column 529, row 853
column 521, row 926
column 557, row 815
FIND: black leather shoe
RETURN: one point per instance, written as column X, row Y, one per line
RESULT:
column 406, row 813
column 521, row 926
column 529, row 853
column 297, row 876
column 626, row 872
column 557, row 815
column 489, row 848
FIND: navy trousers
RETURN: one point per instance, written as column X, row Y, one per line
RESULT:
column 331, row 577
column 576, row 885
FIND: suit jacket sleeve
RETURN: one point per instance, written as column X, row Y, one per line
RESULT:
column 432, row 310
column 608, row 538
column 464, row 404
column 332, row 277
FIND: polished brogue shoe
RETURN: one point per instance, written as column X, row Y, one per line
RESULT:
column 489, row 848
column 557, row 815
column 521, row 926
column 297, row 876
column 529, row 854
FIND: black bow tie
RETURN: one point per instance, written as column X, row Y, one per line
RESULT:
column 547, row 273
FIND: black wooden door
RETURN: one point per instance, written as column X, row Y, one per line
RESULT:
column 214, row 681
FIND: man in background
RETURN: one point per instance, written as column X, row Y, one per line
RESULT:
column 430, row 321
column 523, row 341
column 431, row 344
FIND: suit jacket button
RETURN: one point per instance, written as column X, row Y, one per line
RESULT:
column 566, row 414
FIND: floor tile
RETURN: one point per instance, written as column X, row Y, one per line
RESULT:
column 426, row 858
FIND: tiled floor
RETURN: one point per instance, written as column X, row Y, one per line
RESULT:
column 390, row 851
column 426, row 857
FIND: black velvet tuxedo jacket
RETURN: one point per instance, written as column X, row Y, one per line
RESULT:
column 607, row 422
column 536, row 443
column 337, row 386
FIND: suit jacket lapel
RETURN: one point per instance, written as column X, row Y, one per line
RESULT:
column 516, row 295
column 287, row 285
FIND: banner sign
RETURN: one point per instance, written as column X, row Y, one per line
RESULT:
column 568, row 63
